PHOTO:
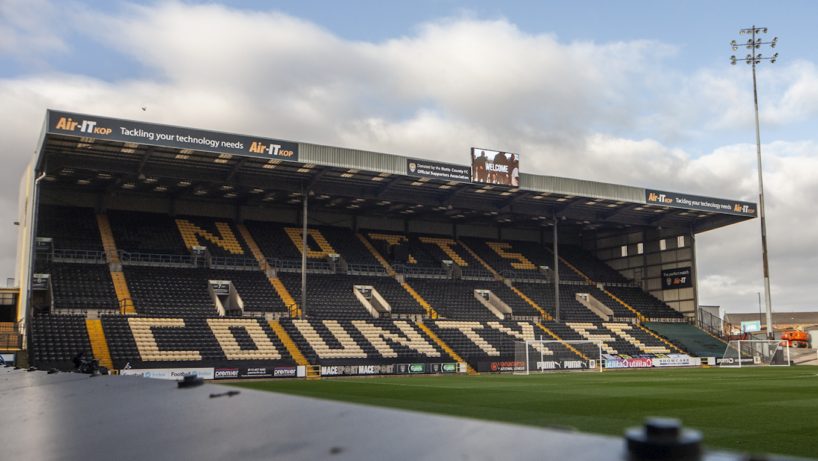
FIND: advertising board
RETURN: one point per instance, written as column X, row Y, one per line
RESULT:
column 677, row 278
column 436, row 170
column 169, row 373
column 357, row 370
column 695, row 202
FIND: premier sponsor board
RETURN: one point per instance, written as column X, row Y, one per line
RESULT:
column 169, row 373
column 680, row 277
column 443, row 171
column 227, row 373
column 695, row 202
column 628, row 363
column 357, row 370
column 109, row 129
column 283, row 372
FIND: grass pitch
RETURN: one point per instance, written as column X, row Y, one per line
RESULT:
column 771, row 410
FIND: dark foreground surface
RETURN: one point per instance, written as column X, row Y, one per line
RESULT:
column 767, row 410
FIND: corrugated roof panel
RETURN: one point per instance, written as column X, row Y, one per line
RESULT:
column 581, row 188
column 351, row 158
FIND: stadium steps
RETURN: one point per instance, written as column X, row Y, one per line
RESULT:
column 560, row 339
column 285, row 296
column 120, row 284
column 696, row 340
column 98, row 343
column 377, row 255
column 251, row 243
column 485, row 264
column 107, row 237
column 430, row 311
column 587, row 279
column 446, row 348
column 533, row 304
column 638, row 315
column 312, row 372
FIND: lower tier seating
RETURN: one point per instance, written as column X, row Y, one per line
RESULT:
column 617, row 338
column 80, row 286
column 329, row 296
column 398, row 298
column 146, row 342
column 488, row 341
column 454, row 299
column 56, row 339
column 645, row 303
column 379, row 341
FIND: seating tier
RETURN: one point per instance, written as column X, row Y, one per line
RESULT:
column 71, row 228
column 56, row 339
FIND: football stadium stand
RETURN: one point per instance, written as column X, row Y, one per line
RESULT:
column 161, row 255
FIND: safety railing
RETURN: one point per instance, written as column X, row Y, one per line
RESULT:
column 293, row 265
column 148, row 259
column 366, row 269
column 420, row 272
column 476, row 274
column 229, row 263
column 78, row 256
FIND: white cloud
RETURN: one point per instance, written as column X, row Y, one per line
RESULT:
column 570, row 110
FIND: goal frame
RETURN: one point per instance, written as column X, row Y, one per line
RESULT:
column 740, row 341
column 527, row 372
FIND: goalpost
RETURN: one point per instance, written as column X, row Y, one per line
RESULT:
column 539, row 356
column 746, row 353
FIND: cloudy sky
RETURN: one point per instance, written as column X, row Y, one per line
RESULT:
column 638, row 93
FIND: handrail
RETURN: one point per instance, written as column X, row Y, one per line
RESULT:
column 154, row 258
column 418, row 271
column 92, row 256
column 366, row 269
column 222, row 262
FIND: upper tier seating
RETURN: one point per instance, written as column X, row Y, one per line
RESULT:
column 523, row 258
column 56, row 339
column 140, row 232
column 645, row 303
column 589, row 265
column 382, row 340
column 570, row 308
column 71, row 228
column 329, row 296
column 147, row 342
column 283, row 241
column 492, row 340
column 80, row 286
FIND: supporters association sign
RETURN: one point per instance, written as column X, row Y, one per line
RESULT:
column 436, row 170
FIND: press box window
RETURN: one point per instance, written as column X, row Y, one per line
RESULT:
column 640, row 248
column 662, row 245
column 624, row 251
column 680, row 241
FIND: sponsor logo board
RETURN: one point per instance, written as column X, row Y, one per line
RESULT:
column 227, row 373
column 169, row 373
column 677, row 278
column 283, row 372
column 357, row 370
column 684, row 361
column 448, row 368
column 131, row 131
column 628, row 363
column 695, row 202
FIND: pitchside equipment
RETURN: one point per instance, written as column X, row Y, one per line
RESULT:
column 551, row 355
column 748, row 353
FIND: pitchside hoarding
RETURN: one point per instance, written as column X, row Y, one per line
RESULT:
column 110, row 129
column 494, row 167
column 695, row 202
column 436, row 170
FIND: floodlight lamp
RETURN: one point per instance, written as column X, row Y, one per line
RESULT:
column 759, row 40
column 775, row 55
column 758, row 62
column 749, row 56
column 733, row 42
column 733, row 58
column 765, row 30
column 772, row 61
column 733, row 63
column 758, row 46
column 772, row 46
column 741, row 32
column 749, row 47
column 759, row 55
column 775, row 39
column 748, row 62
column 735, row 48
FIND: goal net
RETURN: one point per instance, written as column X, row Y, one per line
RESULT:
column 748, row 353
column 552, row 355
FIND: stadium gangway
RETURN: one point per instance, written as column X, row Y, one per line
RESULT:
column 76, row 256
column 420, row 272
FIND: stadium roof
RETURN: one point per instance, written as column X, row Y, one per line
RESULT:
column 108, row 155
